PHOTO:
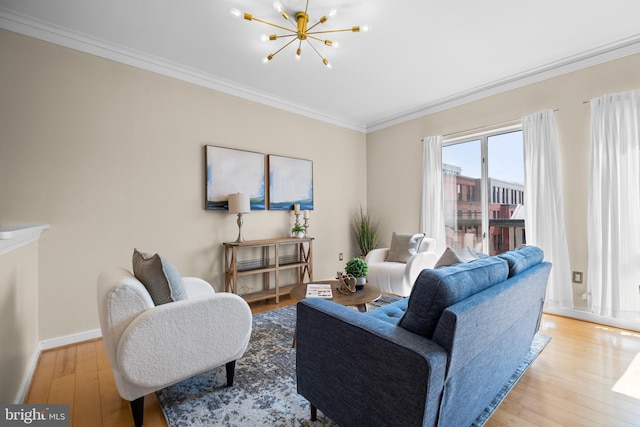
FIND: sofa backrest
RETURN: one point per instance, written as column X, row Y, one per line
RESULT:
column 437, row 289
column 487, row 336
column 522, row 259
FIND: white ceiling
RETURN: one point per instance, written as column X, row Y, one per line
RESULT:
column 422, row 56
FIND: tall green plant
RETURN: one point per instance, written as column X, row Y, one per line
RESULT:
column 365, row 230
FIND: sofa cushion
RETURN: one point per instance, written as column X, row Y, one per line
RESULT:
column 522, row 259
column 161, row 278
column 403, row 246
column 437, row 289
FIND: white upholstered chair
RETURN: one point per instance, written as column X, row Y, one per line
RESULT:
column 398, row 277
column 152, row 347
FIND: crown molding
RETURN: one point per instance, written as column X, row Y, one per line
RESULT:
column 53, row 34
column 586, row 59
column 60, row 36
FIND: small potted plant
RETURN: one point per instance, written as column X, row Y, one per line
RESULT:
column 357, row 268
column 297, row 231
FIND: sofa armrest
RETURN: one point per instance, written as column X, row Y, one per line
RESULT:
column 417, row 263
column 376, row 255
column 173, row 341
column 360, row 370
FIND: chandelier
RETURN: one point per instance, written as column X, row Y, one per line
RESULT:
column 300, row 31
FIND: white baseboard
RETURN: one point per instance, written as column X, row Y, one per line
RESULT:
column 70, row 339
column 588, row 316
column 47, row 345
column 26, row 379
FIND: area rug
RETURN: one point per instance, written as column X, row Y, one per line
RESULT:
column 264, row 391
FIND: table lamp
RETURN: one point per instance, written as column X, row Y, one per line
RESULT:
column 240, row 204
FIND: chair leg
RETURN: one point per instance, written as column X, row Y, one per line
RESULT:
column 231, row 369
column 137, row 408
column 314, row 413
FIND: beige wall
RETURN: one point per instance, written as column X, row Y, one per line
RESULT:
column 394, row 155
column 18, row 317
column 112, row 158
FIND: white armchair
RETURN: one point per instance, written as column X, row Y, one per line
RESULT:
column 152, row 347
column 398, row 277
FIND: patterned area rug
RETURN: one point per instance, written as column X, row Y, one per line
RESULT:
column 264, row 390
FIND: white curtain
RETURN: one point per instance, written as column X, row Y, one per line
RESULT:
column 613, row 275
column 432, row 215
column 544, row 214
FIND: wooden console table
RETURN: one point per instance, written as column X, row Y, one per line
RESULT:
column 271, row 261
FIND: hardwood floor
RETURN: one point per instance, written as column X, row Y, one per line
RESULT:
column 569, row 384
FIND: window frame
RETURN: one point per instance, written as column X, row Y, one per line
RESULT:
column 486, row 194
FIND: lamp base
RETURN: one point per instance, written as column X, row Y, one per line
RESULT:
column 240, row 239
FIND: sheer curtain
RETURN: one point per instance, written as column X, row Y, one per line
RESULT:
column 544, row 214
column 613, row 275
column 432, row 215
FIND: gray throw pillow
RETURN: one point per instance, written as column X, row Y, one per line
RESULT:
column 404, row 246
column 449, row 257
column 161, row 278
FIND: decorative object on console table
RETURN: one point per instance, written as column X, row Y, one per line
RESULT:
column 306, row 223
column 297, row 231
column 240, row 204
column 275, row 259
column 357, row 268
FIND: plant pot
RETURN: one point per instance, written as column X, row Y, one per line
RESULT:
column 360, row 282
column 297, row 234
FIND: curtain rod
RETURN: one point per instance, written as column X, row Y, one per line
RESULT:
column 496, row 126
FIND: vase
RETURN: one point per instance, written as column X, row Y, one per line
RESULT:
column 360, row 282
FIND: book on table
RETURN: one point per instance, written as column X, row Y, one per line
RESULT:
column 319, row 290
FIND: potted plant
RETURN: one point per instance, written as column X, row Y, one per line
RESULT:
column 297, row 231
column 365, row 230
column 357, row 268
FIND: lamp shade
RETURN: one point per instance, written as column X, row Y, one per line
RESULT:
column 239, row 203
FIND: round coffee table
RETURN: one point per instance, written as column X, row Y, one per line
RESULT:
column 358, row 299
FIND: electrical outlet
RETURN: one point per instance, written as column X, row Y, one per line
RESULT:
column 577, row 276
column 340, row 257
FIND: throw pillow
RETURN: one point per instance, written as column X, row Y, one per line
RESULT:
column 449, row 257
column 467, row 254
column 404, row 246
column 479, row 254
column 161, row 278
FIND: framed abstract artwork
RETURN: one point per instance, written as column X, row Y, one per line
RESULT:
column 231, row 171
column 290, row 182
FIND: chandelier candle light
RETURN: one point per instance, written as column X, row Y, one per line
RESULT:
column 300, row 30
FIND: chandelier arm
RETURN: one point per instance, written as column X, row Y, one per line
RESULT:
column 316, row 39
column 313, row 26
column 283, row 47
column 275, row 25
column 334, row 31
column 314, row 49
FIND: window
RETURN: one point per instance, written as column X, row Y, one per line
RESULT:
column 488, row 191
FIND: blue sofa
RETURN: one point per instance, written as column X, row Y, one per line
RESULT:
column 437, row 357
